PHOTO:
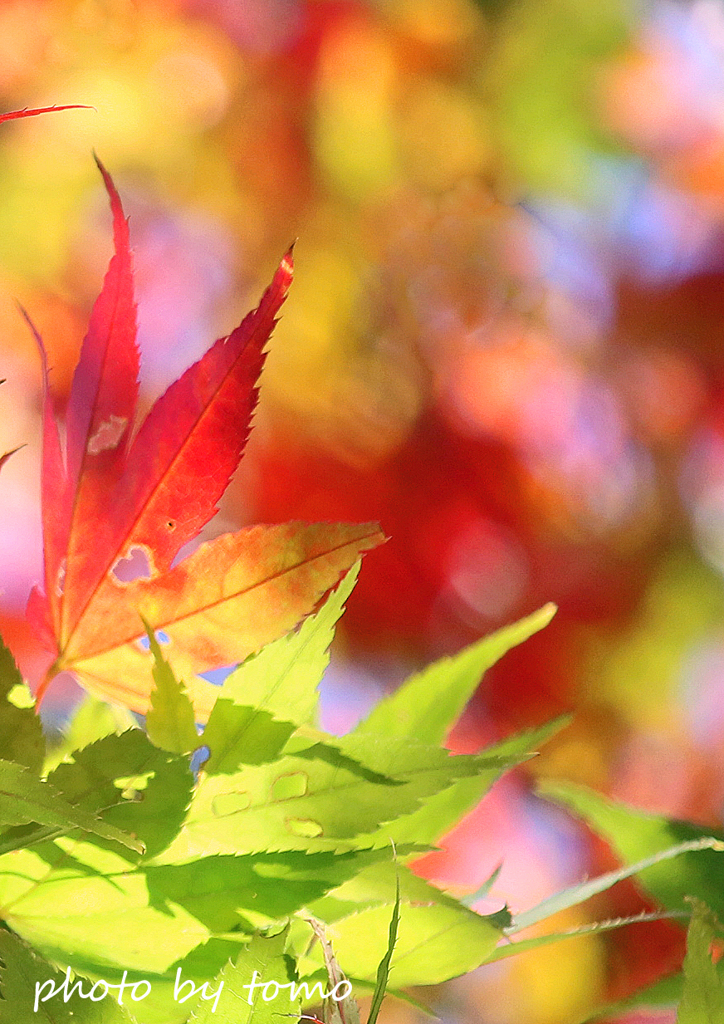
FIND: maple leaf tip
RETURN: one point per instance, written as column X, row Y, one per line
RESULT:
column 120, row 221
column 287, row 263
column 107, row 179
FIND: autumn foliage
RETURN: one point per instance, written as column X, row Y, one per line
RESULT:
column 263, row 841
column 119, row 495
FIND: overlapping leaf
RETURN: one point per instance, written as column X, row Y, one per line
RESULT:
column 237, row 1005
column 144, row 790
column 635, row 835
column 702, row 1000
column 21, row 738
column 25, row 799
column 438, row 938
column 80, row 904
column 426, row 707
column 121, row 499
column 318, row 799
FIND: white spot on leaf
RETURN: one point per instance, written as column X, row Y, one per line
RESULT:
column 108, row 435
column 60, row 578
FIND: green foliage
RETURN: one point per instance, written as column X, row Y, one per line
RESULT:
column 25, row 800
column 702, row 1001
column 286, row 854
column 694, row 874
column 266, row 957
column 170, row 720
column 282, row 678
column 274, row 691
column 635, row 836
column 430, row 702
column 21, row 738
column 143, row 789
column 383, row 970
column 22, row 970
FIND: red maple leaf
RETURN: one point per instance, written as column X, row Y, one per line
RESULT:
column 114, row 490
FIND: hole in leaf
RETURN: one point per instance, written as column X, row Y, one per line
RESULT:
column 229, row 803
column 286, row 787
column 199, row 758
column 162, row 638
column 135, row 566
column 218, row 675
column 305, row 828
column 132, row 786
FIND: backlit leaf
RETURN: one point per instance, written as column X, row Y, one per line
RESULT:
column 635, row 835
column 282, row 678
column 217, row 890
column 262, row 961
column 157, row 786
column 89, row 907
column 438, row 938
column 121, row 499
column 170, row 720
column 316, row 800
column 429, row 703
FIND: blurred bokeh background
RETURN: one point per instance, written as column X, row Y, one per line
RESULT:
column 504, row 341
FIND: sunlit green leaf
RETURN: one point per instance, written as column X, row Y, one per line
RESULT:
column 262, row 961
column 577, row 894
column 437, row 813
column 237, row 735
column 319, row 799
column 217, row 890
column 87, row 906
column 93, row 720
column 429, row 703
column 282, row 679
column 383, row 970
column 146, row 789
column 170, row 720
column 438, row 937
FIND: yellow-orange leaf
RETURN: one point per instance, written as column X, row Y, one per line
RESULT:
column 222, row 603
